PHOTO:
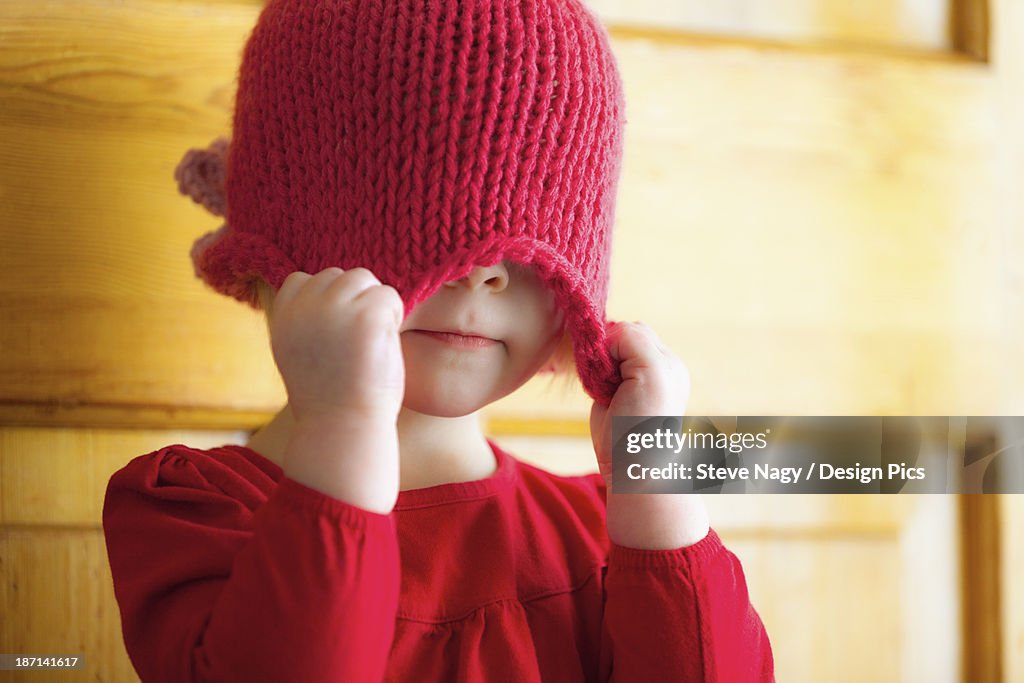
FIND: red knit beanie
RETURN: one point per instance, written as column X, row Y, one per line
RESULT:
column 419, row 139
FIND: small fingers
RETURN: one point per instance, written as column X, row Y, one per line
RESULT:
column 349, row 283
column 332, row 281
column 384, row 299
column 290, row 288
column 652, row 335
column 635, row 339
column 305, row 285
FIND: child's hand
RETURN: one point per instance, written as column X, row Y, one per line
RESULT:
column 334, row 336
column 335, row 340
column 654, row 382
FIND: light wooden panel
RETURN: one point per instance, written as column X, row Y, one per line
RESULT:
column 899, row 23
column 56, row 591
column 60, row 600
column 1008, row 64
column 1011, row 570
column 856, row 608
column 59, row 476
column 1007, row 56
column 100, row 103
column 819, row 232
column 810, row 596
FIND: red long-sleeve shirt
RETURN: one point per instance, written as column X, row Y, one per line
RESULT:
column 226, row 570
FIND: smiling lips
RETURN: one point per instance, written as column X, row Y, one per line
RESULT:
column 467, row 341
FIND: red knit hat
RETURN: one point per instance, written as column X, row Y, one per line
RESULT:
column 419, row 139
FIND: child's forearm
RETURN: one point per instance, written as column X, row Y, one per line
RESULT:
column 353, row 459
column 656, row 521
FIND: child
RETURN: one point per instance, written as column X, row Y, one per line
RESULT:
column 420, row 197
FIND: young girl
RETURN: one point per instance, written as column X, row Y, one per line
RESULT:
column 420, row 197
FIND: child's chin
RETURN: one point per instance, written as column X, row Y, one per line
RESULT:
column 443, row 402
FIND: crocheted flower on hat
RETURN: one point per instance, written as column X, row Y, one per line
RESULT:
column 201, row 174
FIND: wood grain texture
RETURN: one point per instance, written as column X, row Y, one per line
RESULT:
column 101, row 306
column 59, row 598
column 982, row 588
column 969, row 27
column 850, row 608
column 794, row 220
column 58, row 477
column 56, row 591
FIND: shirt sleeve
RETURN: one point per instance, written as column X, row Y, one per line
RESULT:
column 222, row 577
column 682, row 614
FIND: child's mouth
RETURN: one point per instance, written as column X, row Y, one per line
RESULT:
column 458, row 340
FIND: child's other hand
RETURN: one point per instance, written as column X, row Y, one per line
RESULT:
column 654, row 382
column 334, row 336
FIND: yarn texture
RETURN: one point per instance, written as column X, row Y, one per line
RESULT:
column 419, row 139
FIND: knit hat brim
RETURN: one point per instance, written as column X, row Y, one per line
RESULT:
column 231, row 262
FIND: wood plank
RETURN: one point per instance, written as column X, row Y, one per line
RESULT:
column 59, row 598
column 871, row 24
column 969, row 27
column 827, row 613
column 855, row 246
column 1012, row 590
column 982, row 588
column 100, row 103
column 169, row 417
column 58, row 477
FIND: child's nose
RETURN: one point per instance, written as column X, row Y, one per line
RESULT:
column 494, row 277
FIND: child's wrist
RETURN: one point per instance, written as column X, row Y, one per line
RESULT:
column 656, row 521
column 337, row 416
column 351, row 458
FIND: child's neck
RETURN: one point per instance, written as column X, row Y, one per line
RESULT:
column 434, row 450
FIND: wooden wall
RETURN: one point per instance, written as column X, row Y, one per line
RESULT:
column 813, row 230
